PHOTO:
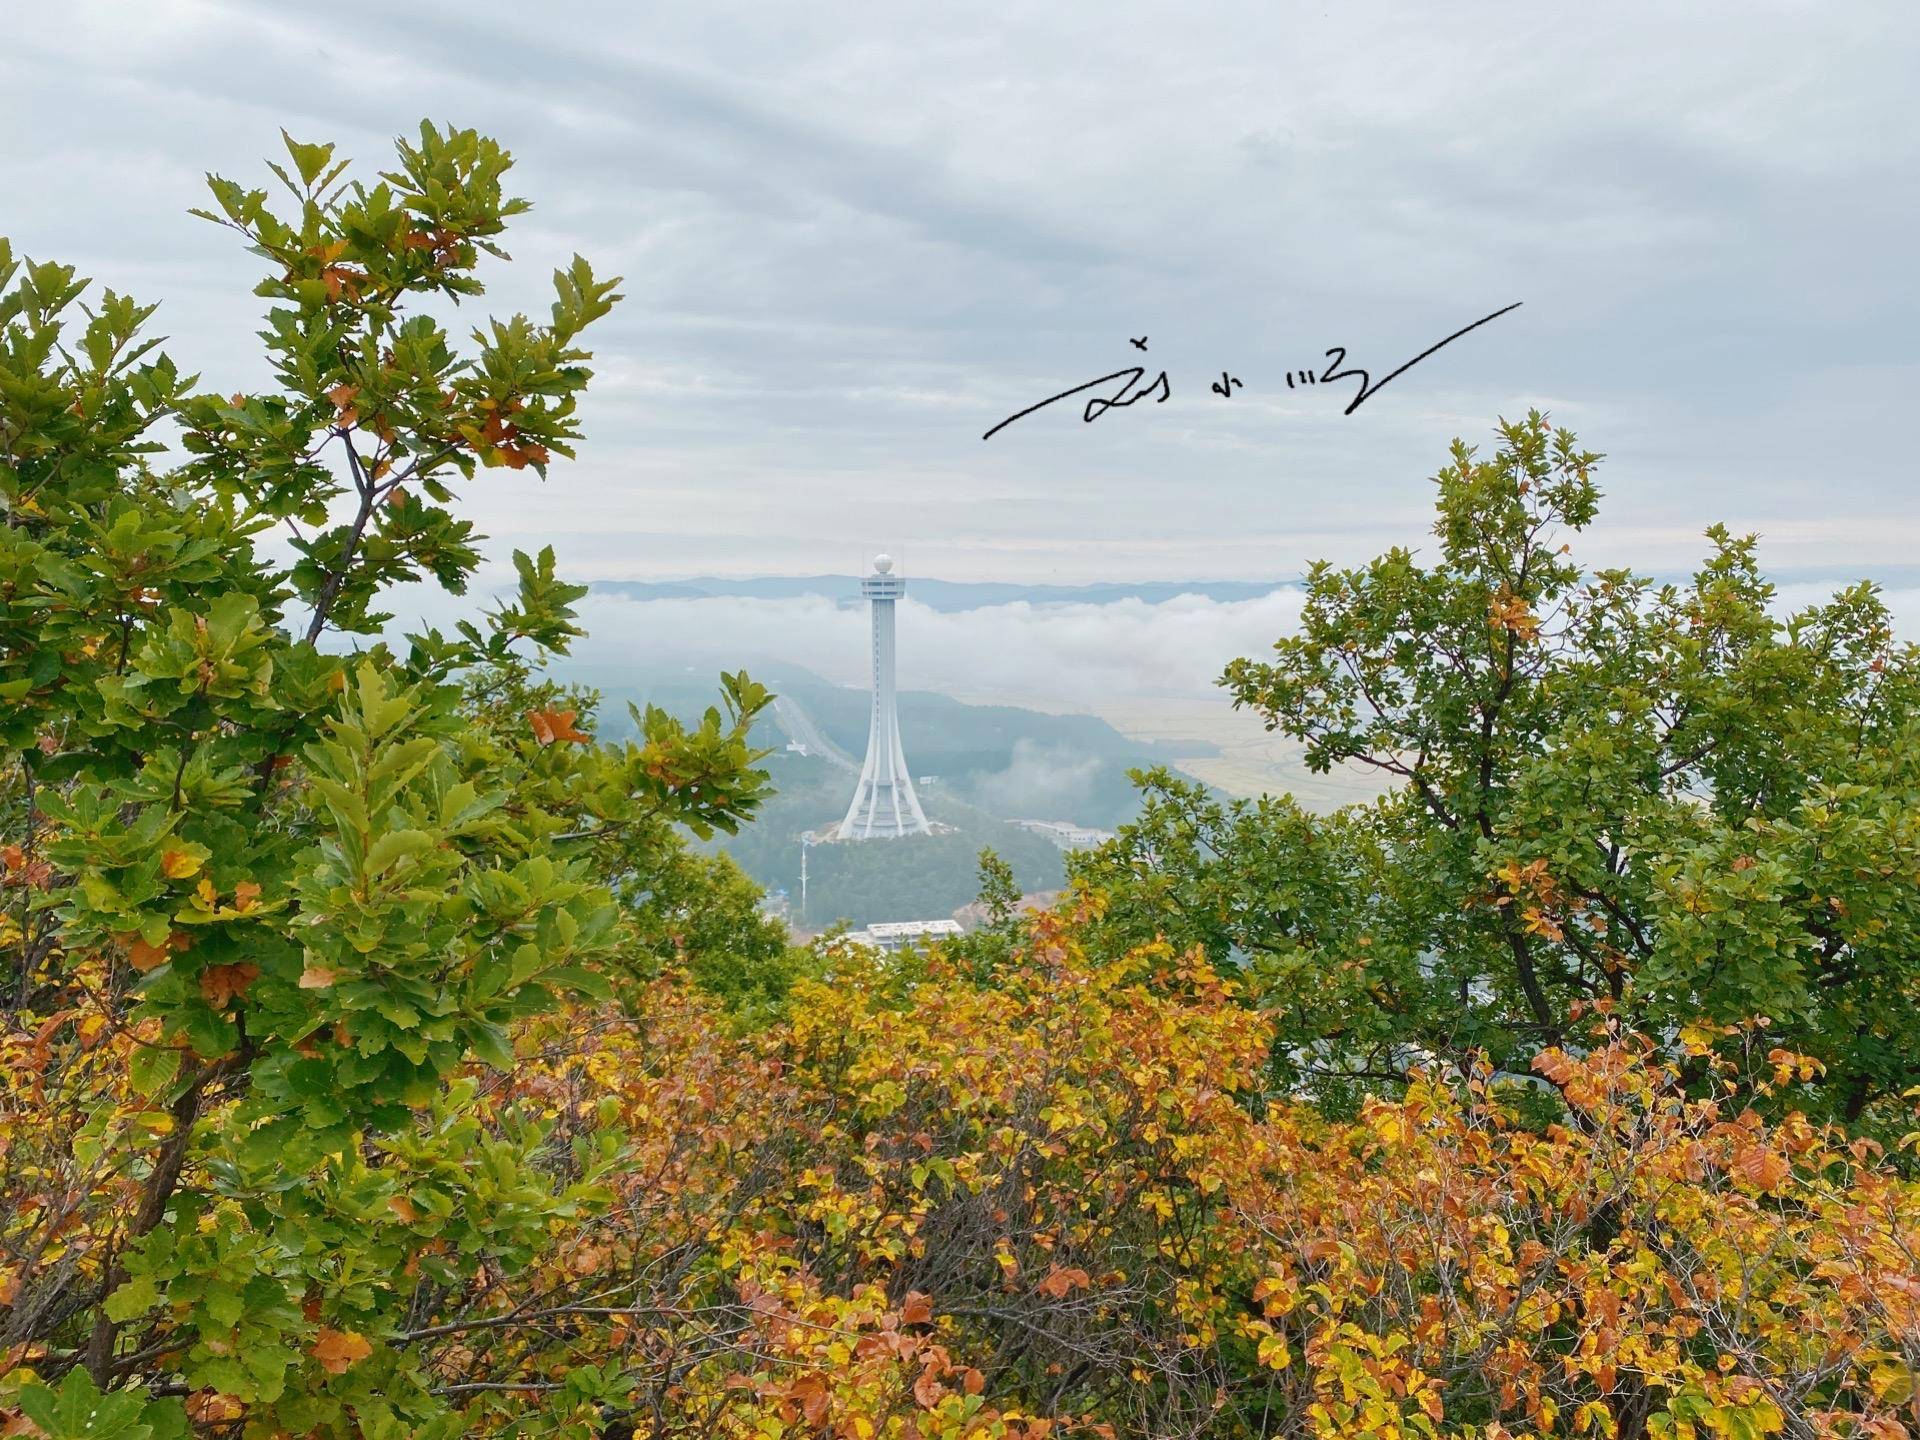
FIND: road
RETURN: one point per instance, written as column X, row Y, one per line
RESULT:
column 798, row 727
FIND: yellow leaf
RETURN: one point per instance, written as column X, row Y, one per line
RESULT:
column 1388, row 1124
column 1273, row 1353
column 179, row 864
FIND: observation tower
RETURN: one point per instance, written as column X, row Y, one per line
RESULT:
column 884, row 803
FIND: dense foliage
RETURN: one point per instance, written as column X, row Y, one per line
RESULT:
column 1660, row 796
column 266, row 902
column 379, row 1058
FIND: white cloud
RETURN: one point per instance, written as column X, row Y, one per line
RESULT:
column 1070, row 655
column 1059, row 657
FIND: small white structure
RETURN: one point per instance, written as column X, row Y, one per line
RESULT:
column 884, row 803
column 1066, row 834
column 893, row 935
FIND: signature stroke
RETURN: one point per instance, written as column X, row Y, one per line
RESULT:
column 1099, row 406
column 1131, row 377
column 1370, row 387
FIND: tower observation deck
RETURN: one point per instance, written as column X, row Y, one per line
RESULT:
column 884, row 802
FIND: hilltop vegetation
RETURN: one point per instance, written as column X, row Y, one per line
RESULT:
column 383, row 1056
column 1661, row 799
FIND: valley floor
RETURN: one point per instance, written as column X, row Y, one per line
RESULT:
column 1251, row 760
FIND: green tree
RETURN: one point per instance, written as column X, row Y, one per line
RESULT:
column 999, row 891
column 267, row 905
column 684, row 907
column 1660, row 798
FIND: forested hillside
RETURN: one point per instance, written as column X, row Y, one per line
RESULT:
column 918, row 877
column 382, row 1055
column 1011, row 763
column 987, row 764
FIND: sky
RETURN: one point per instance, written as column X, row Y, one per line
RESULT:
column 855, row 236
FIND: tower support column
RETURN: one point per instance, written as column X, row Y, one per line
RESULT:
column 884, row 802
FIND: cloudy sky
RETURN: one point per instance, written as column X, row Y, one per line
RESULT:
column 855, row 236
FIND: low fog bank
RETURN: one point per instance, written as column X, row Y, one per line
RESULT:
column 1040, row 781
column 1075, row 654
column 1065, row 657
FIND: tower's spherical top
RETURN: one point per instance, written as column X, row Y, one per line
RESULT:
column 883, row 563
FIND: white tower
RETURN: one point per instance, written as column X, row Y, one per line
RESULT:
column 883, row 801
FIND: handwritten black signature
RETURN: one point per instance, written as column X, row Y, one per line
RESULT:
column 1133, row 374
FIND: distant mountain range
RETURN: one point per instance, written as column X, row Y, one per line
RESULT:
column 973, row 595
column 940, row 594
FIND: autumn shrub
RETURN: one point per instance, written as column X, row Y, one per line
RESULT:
column 1055, row 1202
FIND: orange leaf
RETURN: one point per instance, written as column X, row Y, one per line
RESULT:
column 1059, row 1282
column 928, row 1390
column 1762, row 1167
column 1508, row 611
column 1538, row 923
column 918, row 1309
column 1555, row 1065
column 811, row 1392
column 221, row 983
column 551, row 725
column 316, row 977
column 210, row 1407
column 341, row 279
column 245, row 896
column 337, row 1350
column 144, row 957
